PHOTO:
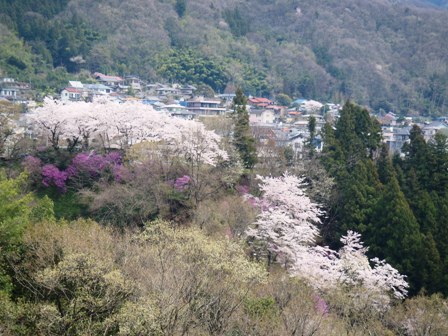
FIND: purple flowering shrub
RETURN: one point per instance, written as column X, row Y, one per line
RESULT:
column 88, row 167
column 182, row 183
column 84, row 169
column 52, row 176
column 320, row 305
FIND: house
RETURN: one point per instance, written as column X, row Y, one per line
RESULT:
column 71, row 94
column 134, row 82
column 165, row 91
column 302, row 122
column 281, row 137
column 150, row 100
column 430, row 129
column 14, row 91
column 110, row 81
column 389, row 119
column 259, row 102
column 187, row 90
column 98, row 89
column 299, row 101
column 205, row 106
column 75, row 84
column 7, row 91
column 263, row 133
column 261, row 116
column 179, row 111
column 277, row 109
column 227, row 96
column 396, row 137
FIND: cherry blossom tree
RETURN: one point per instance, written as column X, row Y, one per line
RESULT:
column 123, row 124
column 288, row 226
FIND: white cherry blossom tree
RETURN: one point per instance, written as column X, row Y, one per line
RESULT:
column 123, row 124
column 288, row 226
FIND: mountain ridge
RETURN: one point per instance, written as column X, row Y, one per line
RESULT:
column 385, row 54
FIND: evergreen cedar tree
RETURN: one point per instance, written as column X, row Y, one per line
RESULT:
column 312, row 130
column 180, row 7
column 242, row 136
column 400, row 207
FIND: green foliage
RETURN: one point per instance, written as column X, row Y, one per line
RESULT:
column 347, row 156
column 15, row 210
column 399, row 207
column 359, row 192
column 283, row 99
column 255, row 81
column 67, row 205
column 242, row 136
column 180, row 6
column 263, row 308
column 418, row 156
column 81, row 278
column 63, row 40
column 394, row 233
column 16, row 58
column 187, row 66
column 79, row 293
column 18, row 210
column 424, row 182
column 312, row 131
column 238, row 24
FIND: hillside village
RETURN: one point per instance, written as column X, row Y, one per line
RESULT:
column 270, row 122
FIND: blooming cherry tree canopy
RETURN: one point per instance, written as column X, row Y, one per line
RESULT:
column 288, row 223
column 124, row 124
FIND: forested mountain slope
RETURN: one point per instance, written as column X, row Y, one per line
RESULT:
column 384, row 54
column 440, row 3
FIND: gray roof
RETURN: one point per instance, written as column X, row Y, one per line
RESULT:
column 97, row 87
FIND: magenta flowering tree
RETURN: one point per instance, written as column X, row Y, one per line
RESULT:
column 84, row 169
column 53, row 177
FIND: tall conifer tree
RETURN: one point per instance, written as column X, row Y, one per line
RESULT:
column 242, row 136
column 394, row 233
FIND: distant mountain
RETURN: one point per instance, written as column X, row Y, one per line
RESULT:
column 387, row 54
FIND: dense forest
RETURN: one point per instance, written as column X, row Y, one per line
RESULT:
column 383, row 54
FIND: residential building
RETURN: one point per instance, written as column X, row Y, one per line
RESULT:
column 98, row 89
column 14, row 91
column 205, row 106
column 134, row 82
column 187, row 90
column 261, row 116
column 110, row 81
column 259, row 102
column 165, row 91
column 71, row 94
column 430, row 129
column 396, row 137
